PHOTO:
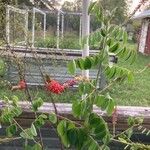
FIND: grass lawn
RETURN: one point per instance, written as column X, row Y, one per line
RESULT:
column 136, row 93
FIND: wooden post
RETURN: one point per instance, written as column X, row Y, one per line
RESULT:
column 85, row 31
column 62, row 26
column 80, row 29
column 7, row 25
column 44, row 26
column 58, row 28
column 26, row 28
column 33, row 27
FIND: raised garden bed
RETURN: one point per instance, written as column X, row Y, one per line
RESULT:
column 48, row 132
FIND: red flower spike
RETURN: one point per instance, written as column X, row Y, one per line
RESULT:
column 55, row 87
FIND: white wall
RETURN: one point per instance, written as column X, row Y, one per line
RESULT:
column 144, row 30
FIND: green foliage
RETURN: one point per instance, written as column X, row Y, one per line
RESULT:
column 52, row 118
column 68, row 42
column 36, row 104
column 71, row 67
column 62, row 130
column 34, row 147
column 105, row 103
column 2, row 67
column 11, row 130
column 29, row 133
column 8, row 114
column 40, row 121
column 93, row 132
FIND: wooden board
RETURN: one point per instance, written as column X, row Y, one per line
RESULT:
column 49, row 135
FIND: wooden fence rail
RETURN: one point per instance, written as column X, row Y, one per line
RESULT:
column 49, row 135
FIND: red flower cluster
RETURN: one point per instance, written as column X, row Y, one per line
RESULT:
column 54, row 87
column 21, row 85
column 57, row 88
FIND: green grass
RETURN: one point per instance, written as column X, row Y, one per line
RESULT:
column 67, row 96
column 136, row 93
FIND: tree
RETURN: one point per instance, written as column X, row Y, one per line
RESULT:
column 108, row 5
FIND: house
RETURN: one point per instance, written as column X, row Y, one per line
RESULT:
column 144, row 41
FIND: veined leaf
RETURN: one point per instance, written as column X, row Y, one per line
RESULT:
column 91, row 7
column 27, row 134
column 114, row 48
column 52, row 118
column 33, row 130
column 87, row 63
column 37, row 103
column 62, row 130
column 11, row 130
column 37, row 147
column 110, row 107
column 80, row 63
column 98, row 126
column 72, row 67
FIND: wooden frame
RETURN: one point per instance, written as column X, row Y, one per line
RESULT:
column 33, row 24
column 17, row 10
column 64, row 109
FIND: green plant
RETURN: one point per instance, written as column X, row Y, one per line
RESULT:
column 93, row 133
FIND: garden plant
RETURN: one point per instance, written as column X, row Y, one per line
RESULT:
column 92, row 132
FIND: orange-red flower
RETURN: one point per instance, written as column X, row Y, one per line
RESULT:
column 54, row 87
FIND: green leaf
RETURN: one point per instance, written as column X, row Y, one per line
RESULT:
column 80, row 63
column 52, row 118
column 73, row 136
column 81, row 88
column 87, row 63
column 11, row 130
column 27, row 134
column 105, row 103
column 28, row 147
column 16, row 111
column 100, row 100
column 114, row 48
column 91, row 7
column 110, row 107
column 98, row 126
column 33, row 130
column 103, row 32
column 72, row 67
column 91, row 144
column 87, row 87
column 15, row 100
column 125, row 37
column 37, row 147
column 62, row 129
column 2, row 67
column 40, row 121
column 122, row 140
column 109, row 42
column 36, row 104
column 76, row 108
